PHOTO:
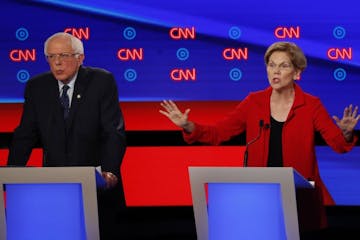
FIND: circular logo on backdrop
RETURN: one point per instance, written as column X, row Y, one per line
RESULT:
column 234, row 33
column 130, row 75
column 339, row 32
column 182, row 54
column 340, row 74
column 129, row 33
column 22, row 34
column 23, row 76
column 235, row 74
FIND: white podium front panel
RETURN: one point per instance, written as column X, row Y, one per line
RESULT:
column 238, row 179
column 49, row 203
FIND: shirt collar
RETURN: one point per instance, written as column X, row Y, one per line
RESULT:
column 71, row 82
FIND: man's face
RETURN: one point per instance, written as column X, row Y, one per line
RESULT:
column 63, row 61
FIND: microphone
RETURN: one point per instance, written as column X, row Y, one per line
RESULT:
column 261, row 125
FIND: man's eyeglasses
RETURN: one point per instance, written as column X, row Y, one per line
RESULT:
column 60, row 56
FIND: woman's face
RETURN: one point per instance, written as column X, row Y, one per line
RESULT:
column 280, row 71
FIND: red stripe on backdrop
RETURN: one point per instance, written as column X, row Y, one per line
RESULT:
column 138, row 115
column 10, row 116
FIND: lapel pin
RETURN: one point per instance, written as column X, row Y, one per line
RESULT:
column 78, row 96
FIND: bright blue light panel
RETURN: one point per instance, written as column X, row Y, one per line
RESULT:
column 44, row 211
column 245, row 211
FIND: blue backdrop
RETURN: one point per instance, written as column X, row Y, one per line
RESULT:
column 328, row 34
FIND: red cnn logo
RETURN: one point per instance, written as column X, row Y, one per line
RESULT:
column 178, row 74
column 125, row 54
column 284, row 32
column 18, row 55
column 80, row 33
column 232, row 53
column 177, row 33
column 342, row 53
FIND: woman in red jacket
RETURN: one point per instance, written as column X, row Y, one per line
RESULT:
column 294, row 117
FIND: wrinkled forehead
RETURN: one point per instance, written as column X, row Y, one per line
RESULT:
column 59, row 45
column 280, row 57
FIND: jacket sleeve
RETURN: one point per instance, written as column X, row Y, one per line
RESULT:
column 113, row 128
column 26, row 135
column 231, row 125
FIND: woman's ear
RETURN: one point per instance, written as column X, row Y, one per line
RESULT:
column 297, row 75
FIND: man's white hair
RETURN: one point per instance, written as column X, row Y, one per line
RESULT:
column 76, row 43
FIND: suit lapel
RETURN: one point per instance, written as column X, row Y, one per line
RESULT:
column 55, row 111
column 79, row 89
column 54, row 97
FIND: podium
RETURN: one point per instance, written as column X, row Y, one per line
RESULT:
column 246, row 203
column 49, row 203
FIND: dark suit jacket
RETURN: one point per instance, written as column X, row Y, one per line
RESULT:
column 94, row 133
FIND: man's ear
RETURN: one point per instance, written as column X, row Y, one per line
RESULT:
column 81, row 58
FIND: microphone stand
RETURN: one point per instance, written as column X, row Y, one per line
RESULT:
column 261, row 125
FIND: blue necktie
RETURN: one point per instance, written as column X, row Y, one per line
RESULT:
column 65, row 102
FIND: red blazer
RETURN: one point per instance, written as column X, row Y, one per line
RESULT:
column 306, row 116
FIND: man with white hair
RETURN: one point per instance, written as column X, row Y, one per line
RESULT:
column 73, row 112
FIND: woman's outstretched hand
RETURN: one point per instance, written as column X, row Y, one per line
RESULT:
column 348, row 122
column 179, row 118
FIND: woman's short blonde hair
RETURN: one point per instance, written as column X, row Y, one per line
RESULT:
column 295, row 53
